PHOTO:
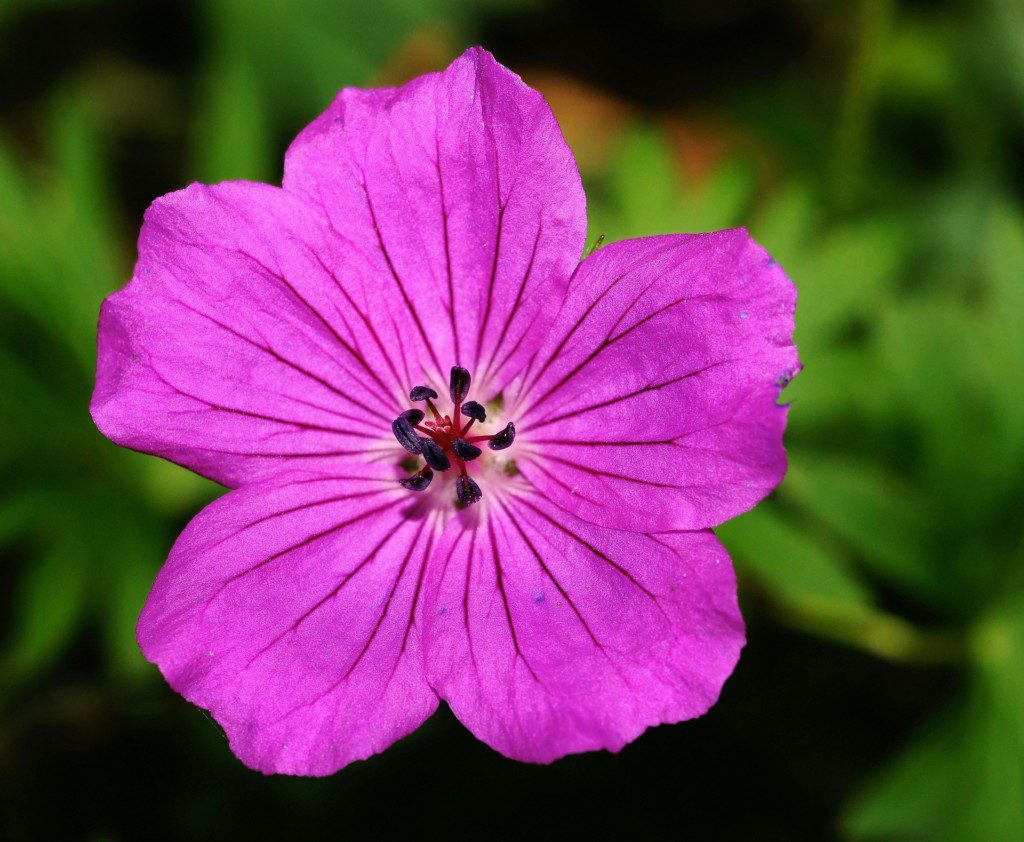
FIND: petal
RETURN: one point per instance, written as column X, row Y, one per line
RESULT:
column 548, row 636
column 289, row 611
column 652, row 405
column 233, row 350
column 461, row 189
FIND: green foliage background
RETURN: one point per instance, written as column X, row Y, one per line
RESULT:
column 880, row 163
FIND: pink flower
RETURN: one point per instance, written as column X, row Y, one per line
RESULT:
column 270, row 339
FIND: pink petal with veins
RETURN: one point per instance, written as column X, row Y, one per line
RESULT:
column 289, row 611
column 548, row 636
column 463, row 193
column 653, row 403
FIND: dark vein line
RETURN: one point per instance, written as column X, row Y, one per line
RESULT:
column 606, row 343
column 515, row 308
column 551, row 576
column 394, row 274
column 589, row 546
column 500, row 575
column 283, row 360
column 319, row 316
column 611, row 401
column 363, row 317
column 490, row 285
column 387, row 606
column 598, row 472
column 452, row 309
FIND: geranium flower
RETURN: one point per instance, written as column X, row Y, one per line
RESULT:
column 466, row 465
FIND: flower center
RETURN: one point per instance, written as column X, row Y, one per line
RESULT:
column 443, row 440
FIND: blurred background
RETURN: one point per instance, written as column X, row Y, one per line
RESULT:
column 875, row 147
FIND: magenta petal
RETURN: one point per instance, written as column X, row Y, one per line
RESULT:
column 548, row 636
column 461, row 191
column 652, row 405
column 232, row 350
column 289, row 611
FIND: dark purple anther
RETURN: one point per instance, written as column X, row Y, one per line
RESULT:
column 413, row 416
column 474, row 410
column 467, row 491
column 459, row 384
column 405, row 434
column 418, row 481
column 434, row 455
column 465, row 451
column 504, row 438
column 422, row 393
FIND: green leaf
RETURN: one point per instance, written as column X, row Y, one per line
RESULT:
column 959, row 392
column 785, row 223
column 792, row 565
column 908, row 798
column 132, row 558
column 837, row 386
column 880, row 516
column 962, row 778
column 647, row 195
column 61, row 252
column 49, row 601
column 848, row 273
column 233, row 137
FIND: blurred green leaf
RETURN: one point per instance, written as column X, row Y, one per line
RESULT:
column 794, row 567
column 60, row 256
column 880, row 516
column 306, row 50
column 234, row 141
column 962, row 778
column 786, row 222
column 129, row 559
column 846, row 274
column 646, row 194
column 50, row 599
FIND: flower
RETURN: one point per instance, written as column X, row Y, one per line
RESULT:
column 465, row 464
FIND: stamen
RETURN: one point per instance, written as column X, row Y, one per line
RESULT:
column 434, row 455
column 443, row 441
column 465, row 451
column 474, row 410
column 414, row 416
column 422, row 393
column 504, row 439
column 458, row 384
column 467, row 491
column 406, row 435
column 418, row 481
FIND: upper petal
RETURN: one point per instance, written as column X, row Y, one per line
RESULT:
column 289, row 610
column 653, row 403
column 239, row 345
column 548, row 635
column 460, row 189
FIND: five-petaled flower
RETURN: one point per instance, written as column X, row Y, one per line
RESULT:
column 537, row 552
